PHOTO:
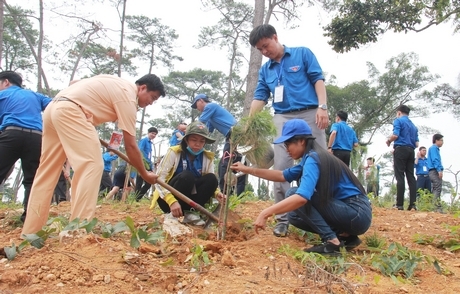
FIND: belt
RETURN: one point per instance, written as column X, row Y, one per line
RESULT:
column 24, row 130
column 65, row 99
column 405, row 146
column 422, row 176
column 298, row 109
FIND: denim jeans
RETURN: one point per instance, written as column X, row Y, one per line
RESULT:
column 424, row 183
column 352, row 215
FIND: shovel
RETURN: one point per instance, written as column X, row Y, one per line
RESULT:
column 175, row 192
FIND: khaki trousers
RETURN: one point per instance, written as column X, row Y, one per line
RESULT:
column 66, row 133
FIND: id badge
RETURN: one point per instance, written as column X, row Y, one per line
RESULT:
column 278, row 94
column 425, row 168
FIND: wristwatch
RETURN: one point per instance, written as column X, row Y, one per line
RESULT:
column 323, row 106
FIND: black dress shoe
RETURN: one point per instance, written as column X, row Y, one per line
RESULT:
column 412, row 207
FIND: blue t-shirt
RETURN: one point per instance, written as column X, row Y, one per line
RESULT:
column 145, row 145
column 309, row 169
column 345, row 136
column 22, row 108
column 421, row 168
column 174, row 140
column 108, row 161
column 406, row 131
column 196, row 167
column 434, row 158
column 217, row 117
column 298, row 72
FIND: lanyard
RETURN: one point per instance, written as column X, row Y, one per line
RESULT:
column 280, row 72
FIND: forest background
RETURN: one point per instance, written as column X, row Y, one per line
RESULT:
column 375, row 55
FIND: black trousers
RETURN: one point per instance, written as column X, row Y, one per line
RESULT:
column 343, row 155
column 60, row 190
column 222, row 169
column 403, row 160
column 106, row 182
column 141, row 187
column 184, row 182
column 24, row 145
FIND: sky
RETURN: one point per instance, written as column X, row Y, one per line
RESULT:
column 437, row 48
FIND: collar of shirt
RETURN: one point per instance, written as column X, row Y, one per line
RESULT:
column 287, row 51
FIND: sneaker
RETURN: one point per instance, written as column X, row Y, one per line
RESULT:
column 350, row 242
column 398, row 207
column 325, row 248
column 193, row 219
column 280, row 230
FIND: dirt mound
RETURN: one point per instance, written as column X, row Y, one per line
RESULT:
column 243, row 263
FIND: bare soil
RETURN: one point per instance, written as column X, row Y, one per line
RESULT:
column 244, row 263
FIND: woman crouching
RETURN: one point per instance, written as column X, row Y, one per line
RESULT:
column 189, row 169
column 330, row 201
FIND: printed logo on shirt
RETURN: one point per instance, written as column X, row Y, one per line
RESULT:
column 295, row 68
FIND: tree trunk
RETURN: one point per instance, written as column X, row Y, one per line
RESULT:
column 82, row 51
column 29, row 42
column 255, row 59
column 139, row 135
column 1, row 33
column 122, row 37
column 17, row 183
column 39, row 51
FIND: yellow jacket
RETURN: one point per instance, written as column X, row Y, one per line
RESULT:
column 168, row 166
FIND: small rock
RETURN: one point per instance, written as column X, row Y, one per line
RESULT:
column 170, row 287
column 227, row 259
column 3, row 260
column 60, row 284
column 206, row 282
column 271, row 257
column 49, row 278
column 120, row 275
column 147, row 248
column 143, row 277
column 97, row 278
column 107, row 279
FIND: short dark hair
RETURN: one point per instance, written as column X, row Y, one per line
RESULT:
column 421, row 147
column 153, row 83
column 371, row 158
column 152, row 130
column 342, row 115
column 261, row 32
column 12, row 77
column 404, row 109
column 437, row 137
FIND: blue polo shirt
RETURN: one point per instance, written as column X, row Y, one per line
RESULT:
column 174, row 140
column 434, row 158
column 108, row 161
column 406, row 131
column 145, row 145
column 298, row 72
column 309, row 169
column 421, row 168
column 22, row 108
column 345, row 136
column 217, row 117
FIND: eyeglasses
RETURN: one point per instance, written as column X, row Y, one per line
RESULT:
column 287, row 143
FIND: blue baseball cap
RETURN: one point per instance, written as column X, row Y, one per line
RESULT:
column 198, row 97
column 293, row 128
